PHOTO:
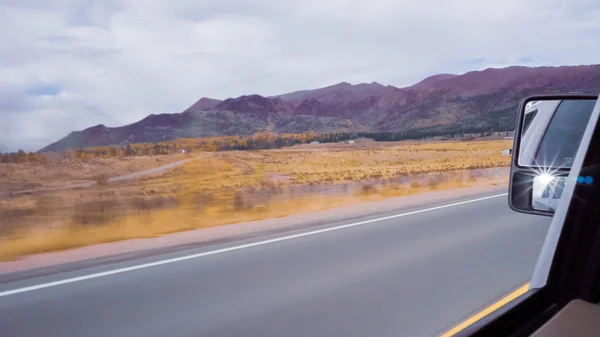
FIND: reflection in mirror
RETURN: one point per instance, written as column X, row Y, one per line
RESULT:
column 551, row 132
column 546, row 192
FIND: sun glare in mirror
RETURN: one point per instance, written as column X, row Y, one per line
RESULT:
column 545, row 178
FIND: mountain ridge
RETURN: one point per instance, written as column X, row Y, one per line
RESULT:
column 443, row 103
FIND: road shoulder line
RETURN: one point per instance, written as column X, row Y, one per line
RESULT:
column 486, row 311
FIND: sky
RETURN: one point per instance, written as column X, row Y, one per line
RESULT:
column 67, row 65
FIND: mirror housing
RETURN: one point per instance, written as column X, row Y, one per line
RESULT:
column 547, row 135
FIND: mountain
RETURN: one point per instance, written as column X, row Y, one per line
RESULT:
column 442, row 104
column 430, row 81
column 340, row 92
column 204, row 103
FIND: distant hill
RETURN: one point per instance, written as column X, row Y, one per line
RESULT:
column 442, row 104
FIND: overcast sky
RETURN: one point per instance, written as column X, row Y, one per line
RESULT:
column 69, row 64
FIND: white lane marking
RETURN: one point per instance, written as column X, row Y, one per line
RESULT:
column 230, row 249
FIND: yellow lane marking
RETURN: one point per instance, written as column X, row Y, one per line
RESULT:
column 481, row 314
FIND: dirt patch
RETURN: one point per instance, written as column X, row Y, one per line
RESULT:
column 61, row 172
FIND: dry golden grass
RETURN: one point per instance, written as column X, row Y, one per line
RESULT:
column 235, row 169
column 148, row 225
column 233, row 187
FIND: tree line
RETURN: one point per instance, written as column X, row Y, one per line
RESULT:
column 22, row 157
column 258, row 141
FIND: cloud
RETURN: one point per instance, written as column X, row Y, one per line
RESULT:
column 67, row 65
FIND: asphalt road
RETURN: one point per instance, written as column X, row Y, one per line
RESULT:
column 414, row 275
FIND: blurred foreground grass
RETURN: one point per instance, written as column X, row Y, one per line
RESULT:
column 233, row 187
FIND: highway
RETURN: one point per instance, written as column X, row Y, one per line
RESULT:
column 415, row 272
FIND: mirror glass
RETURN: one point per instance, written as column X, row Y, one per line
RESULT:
column 551, row 132
column 546, row 192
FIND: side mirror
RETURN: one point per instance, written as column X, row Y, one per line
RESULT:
column 548, row 133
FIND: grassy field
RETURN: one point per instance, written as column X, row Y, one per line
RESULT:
column 227, row 187
column 61, row 172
